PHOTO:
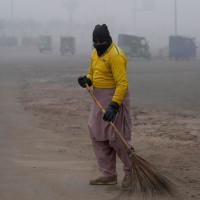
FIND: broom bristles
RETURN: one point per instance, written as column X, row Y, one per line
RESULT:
column 147, row 179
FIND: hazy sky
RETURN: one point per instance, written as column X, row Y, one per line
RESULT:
column 160, row 21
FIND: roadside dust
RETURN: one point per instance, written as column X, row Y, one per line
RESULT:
column 169, row 141
column 45, row 149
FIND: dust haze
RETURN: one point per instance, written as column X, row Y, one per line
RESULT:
column 153, row 19
column 45, row 45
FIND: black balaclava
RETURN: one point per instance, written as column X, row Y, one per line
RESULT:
column 101, row 34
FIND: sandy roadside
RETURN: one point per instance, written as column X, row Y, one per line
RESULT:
column 44, row 142
column 169, row 141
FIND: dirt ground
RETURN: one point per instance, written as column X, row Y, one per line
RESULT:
column 45, row 150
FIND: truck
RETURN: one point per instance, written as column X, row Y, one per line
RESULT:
column 134, row 46
column 181, row 47
column 67, row 44
column 45, row 42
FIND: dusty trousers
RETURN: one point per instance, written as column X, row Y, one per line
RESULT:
column 106, row 152
column 106, row 143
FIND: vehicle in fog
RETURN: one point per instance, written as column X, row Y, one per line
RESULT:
column 134, row 46
column 45, row 43
column 67, row 44
column 182, row 47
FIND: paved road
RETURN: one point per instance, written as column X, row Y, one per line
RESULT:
column 164, row 84
column 160, row 84
column 29, row 168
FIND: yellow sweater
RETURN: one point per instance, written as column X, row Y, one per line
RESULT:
column 109, row 71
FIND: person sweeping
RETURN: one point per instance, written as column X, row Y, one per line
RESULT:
column 111, row 136
column 107, row 75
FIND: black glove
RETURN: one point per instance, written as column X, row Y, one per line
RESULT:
column 111, row 112
column 83, row 80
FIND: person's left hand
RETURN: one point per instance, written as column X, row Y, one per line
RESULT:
column 111, row 112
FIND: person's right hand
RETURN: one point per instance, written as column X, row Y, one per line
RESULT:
column 82, row 80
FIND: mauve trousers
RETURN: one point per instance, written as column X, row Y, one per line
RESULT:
column 106, row 143
column 106, row 152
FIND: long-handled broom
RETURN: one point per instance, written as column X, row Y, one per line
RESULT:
column 144, row 176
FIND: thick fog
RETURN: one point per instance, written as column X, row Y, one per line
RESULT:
column 154, row 19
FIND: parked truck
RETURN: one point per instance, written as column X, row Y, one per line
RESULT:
column 181, row 47
column 134, row 46
column 45, row 42
column 67, row 44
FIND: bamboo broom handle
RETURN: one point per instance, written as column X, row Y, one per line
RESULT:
column 111, row 123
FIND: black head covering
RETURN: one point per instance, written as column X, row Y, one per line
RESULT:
column 101, row 33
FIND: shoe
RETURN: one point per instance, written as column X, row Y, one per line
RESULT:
column 126, row 181
column 102, row 180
